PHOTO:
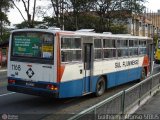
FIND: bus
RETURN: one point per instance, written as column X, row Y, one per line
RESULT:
column 157, row 52
column 64, row 64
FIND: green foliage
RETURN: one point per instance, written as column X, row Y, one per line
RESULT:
column 96, row 14
column 118, row 29
column 4, row 7
column 101, row 14
column 22, row 25
column 4, row 18
column 51, row 21
column 4, row 37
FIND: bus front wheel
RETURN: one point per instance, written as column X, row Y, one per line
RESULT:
column 100, row 86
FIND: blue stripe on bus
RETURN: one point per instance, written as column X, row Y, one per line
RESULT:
column 121, row 77
column 76, row 87
column 71, row 89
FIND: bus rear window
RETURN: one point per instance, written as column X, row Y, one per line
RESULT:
column 33, row 45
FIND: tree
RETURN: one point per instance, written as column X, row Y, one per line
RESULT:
column 98, row 14
column 4, row 7
column 30, row 11
column 109, row 10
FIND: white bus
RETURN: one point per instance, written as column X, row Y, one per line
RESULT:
column 68, row 64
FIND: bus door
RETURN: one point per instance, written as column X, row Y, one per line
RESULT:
column 88, row 64
column 150, row 55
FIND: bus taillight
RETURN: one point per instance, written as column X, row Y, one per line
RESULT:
column 52, row 87
column 11, row 81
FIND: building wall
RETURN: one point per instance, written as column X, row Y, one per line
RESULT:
column 146, row 25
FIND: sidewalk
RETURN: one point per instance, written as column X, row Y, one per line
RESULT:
column 151, row 107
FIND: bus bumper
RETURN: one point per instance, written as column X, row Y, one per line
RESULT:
column 32, row 91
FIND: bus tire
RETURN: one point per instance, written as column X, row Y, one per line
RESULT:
column 143, row 74
column 100, row 87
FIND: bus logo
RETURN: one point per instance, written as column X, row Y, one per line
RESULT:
column 30, row 72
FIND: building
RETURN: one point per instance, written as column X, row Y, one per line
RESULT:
column 147, row 24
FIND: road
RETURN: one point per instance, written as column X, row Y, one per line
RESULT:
column 36, row 108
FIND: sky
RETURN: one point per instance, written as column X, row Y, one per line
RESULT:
column 153, row 5
column 15, row 17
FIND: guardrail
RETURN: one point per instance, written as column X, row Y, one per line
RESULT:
column 122, row 104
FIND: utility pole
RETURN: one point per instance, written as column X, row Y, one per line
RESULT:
column 62, row 14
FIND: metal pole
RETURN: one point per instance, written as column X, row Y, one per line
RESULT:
column 123, row 105
column 62, row 14
column 1, row 22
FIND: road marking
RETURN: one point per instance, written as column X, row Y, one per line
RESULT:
column 5, row 70
column 7, row 94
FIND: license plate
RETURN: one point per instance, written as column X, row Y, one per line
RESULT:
column 30, row 84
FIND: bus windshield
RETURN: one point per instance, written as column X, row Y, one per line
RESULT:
column 33, row 45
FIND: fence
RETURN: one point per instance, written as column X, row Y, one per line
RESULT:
column 121, row 104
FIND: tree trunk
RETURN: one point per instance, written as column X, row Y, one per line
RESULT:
column 34, row 9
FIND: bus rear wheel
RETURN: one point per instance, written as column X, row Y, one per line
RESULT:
column 100, row 87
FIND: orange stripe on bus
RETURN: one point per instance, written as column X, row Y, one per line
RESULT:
column 146, row 63
column 61, row 72
column 58, row 57
column 60, row 68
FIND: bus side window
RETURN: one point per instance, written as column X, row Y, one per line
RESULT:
column 122, row 48
column 133, row 47
column 142, row 47
column 109, row 53
column 70, row 49
column 109, row 48
column 97, row 49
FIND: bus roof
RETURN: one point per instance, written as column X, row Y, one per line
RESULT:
column 83, row 33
